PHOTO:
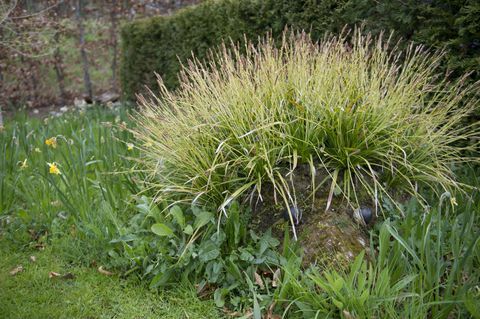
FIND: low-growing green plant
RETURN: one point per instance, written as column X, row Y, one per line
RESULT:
column 379, row 121
column 224, row 259
column 68, row 176
column 419, row 267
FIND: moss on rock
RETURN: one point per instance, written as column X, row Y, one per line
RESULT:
column 328, row 237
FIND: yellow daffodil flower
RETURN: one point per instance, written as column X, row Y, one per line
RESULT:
column 23, row 164
column 52, row 141
column 129, row 146
column 54, row 169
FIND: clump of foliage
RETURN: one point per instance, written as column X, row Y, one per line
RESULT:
column 70, row 184
column 69, row 180
column 225, row 260
column 427, row 268
column 377, row 119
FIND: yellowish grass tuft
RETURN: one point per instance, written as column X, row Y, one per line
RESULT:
column 377, row 119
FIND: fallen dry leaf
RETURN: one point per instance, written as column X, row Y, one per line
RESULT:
column 68, row 275
column 33, row 259
column 104, row 272
column 236, row 314
column 33, row 234
column 231, row 313
column 270, row 314
column 347, row 315
column 259, row 281
column 205, row 291
column 276, row 277
column 16, row 270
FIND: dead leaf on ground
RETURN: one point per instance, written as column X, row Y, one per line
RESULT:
column 347, row 315
column 53, row 274
column 205, row 291
column 270, row 314
column 105, row 272
column 276, row 278
column 68, row 275
column 230, row 313
column 259, row 281
column 40, row 246
column 33, row 259
column 33, row 234
column 16, row 270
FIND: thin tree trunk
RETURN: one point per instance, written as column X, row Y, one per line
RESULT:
column 24, row 83
column 58, row 66
column 113, row 39
column 1, row 81
column 83, row 53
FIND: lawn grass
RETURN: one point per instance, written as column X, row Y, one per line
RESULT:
column 75, row 215
column 32, row 294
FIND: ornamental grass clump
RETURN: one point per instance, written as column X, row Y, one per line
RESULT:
column 378, row 120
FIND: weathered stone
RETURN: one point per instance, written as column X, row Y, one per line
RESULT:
column 328, row 237
column 332, row 238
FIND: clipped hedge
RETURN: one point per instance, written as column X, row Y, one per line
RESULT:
column 161, row 44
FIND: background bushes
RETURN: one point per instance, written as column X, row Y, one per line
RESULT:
column 162, row 43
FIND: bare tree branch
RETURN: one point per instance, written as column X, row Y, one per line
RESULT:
column 39, row 12
column 8, row 12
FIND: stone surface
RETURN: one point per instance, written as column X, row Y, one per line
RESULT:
column 328, row 237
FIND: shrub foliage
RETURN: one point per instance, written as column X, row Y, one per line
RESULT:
column 161, row 44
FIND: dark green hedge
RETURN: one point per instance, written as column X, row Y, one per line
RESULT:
column 160, row 44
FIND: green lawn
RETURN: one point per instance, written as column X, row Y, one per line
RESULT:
column 32, row 294
column 75, row 214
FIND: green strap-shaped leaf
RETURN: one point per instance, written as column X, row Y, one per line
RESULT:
column 161, row 230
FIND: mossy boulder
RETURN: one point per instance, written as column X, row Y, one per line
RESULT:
column 328, row 237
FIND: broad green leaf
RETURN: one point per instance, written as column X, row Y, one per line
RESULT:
column 219, row 296
column 208, row 251
column 233, row 269
column 161, row 279
column 177, row 213
column 162, row 230
column 202, row 219
column 246, row 255
column 188, row 230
